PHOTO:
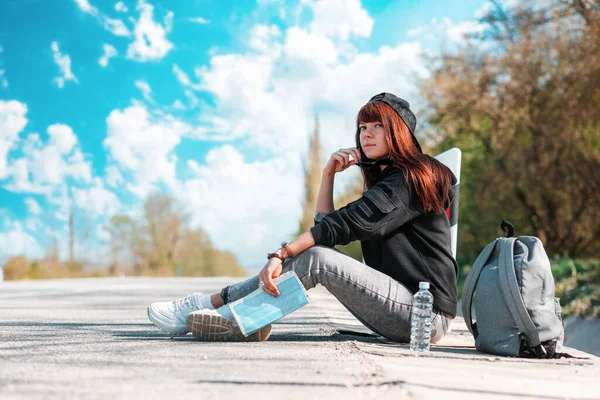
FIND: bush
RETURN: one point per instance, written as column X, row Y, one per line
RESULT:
column 578, row 286
column 16, row 268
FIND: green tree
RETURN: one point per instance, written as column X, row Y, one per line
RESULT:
column 162, row 243
column 163, row 229
column 521, row 101
column 125, row 243
column 197, row 256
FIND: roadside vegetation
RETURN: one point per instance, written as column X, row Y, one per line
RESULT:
column 521, row 101
column 158, row 243
column 578, row 286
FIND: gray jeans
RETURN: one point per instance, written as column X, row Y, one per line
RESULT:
column 378, row 301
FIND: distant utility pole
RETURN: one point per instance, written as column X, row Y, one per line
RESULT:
column 71, row 236
column 54, row 251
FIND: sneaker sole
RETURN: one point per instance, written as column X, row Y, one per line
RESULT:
column 214, row 328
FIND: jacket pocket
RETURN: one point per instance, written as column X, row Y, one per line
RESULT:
column 380, row 200
column 374, row 211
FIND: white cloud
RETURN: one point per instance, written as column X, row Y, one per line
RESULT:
column 145, row 88
column 63, row 203
column 306, row 49
column 62, row 137
column 33, row 224
column 142, row 146
column 77, row 167
column 44, row 167
column 262, row 37
column 96, row 199
column 248, row 87
column 178, row 105
column 279, row 3
column 54, row 162
column 396, row 70
column 121, row 7
column 484, row 10
column 15, row 241
column 340, row 19
column 192, row 99
column 224, row 199
column 181, row 76
column 33, row 206
column 114, row 178
column 150, row 43
column 199, row 20
column 116, row 27
column 241, row 84
column 21, row 182
column 460, row 32
column 109, row 52
column 64, row 65
column 415, row 31
column 446, row 29
column 12, row 122
column 3, row 80
column 86, row 7
column 169, row 21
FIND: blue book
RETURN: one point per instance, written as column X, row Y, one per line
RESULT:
column 259, row 309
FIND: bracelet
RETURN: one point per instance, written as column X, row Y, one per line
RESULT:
column 271, row 255
column 288, row 250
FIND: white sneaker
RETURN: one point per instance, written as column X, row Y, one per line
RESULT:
column 170, row 316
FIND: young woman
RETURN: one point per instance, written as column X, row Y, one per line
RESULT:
column 400, row 221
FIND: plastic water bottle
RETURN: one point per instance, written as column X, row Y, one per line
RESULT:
column 420, row 331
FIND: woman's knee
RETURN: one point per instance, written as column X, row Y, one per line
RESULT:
column 310, row 261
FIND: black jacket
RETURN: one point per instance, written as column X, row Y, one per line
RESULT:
column 397, row 237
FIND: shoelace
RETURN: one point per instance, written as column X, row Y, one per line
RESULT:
column 185, row 303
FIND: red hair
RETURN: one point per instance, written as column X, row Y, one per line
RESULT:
column 430, row 179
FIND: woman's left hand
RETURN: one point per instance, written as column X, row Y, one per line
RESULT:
column 270, row 271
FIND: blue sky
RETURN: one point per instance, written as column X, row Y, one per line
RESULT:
column 211, row 101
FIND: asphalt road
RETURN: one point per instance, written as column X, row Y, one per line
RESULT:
column 90, row 338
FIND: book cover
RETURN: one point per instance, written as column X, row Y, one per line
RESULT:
column 259, row 308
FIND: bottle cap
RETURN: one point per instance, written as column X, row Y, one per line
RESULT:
column 423, row 285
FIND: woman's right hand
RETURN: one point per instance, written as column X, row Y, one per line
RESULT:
column 340, row 160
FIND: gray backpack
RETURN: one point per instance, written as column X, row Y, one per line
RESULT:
column 511, row 290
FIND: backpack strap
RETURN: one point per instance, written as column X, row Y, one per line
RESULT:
column 471, row 282
column 512, row 295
